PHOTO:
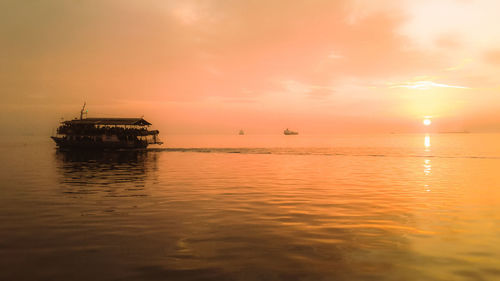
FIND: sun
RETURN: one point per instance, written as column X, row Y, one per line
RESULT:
column 427, row 122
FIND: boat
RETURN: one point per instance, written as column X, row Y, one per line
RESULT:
column 105, row 133
column 288, row 132
column 241, row 132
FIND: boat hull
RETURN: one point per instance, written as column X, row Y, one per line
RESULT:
column 90, row 144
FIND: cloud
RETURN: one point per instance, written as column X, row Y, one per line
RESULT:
column 463, row 63
column 492, row 57
column 208, row 53
column 334, row 56
column 178, row 50
column 448, row 41
column 424, row 85
column 315, row 91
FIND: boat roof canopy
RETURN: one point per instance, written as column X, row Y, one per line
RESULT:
column 109, row 121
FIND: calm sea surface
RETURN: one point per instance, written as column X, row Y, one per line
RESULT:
column 381, row 207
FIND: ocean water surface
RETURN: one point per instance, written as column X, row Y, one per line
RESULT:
column 345, row 207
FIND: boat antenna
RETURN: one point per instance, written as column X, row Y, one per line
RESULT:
column 83, row 108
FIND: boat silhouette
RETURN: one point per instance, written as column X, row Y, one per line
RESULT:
column 289, row 132
column 105, row 133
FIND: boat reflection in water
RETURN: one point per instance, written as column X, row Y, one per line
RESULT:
column 122, row 173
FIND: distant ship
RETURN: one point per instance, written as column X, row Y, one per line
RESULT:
column 288, row 132
column 241, row 132
column 105, row 133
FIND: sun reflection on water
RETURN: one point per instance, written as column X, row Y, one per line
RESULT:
column 427, row 142
column 427, row 172
column 427, row 162
column 427, row 167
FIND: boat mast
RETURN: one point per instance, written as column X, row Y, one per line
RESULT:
column 81, row 112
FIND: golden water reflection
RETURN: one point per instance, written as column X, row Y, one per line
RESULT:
column 427, row 173
column 427, row 142
column 427, row 167
column 342, row 213
column 427, row 163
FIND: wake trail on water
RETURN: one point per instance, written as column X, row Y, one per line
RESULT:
column 314, row 152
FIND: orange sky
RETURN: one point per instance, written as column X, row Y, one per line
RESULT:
column 218, row 66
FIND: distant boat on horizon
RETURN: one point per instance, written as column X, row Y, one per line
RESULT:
column 289, row 132
column 241, row 132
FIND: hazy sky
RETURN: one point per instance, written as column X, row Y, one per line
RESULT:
column 218, row 66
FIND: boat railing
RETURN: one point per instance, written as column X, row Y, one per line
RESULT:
column 105, row 131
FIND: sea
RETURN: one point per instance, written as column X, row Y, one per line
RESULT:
column 254, row 207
